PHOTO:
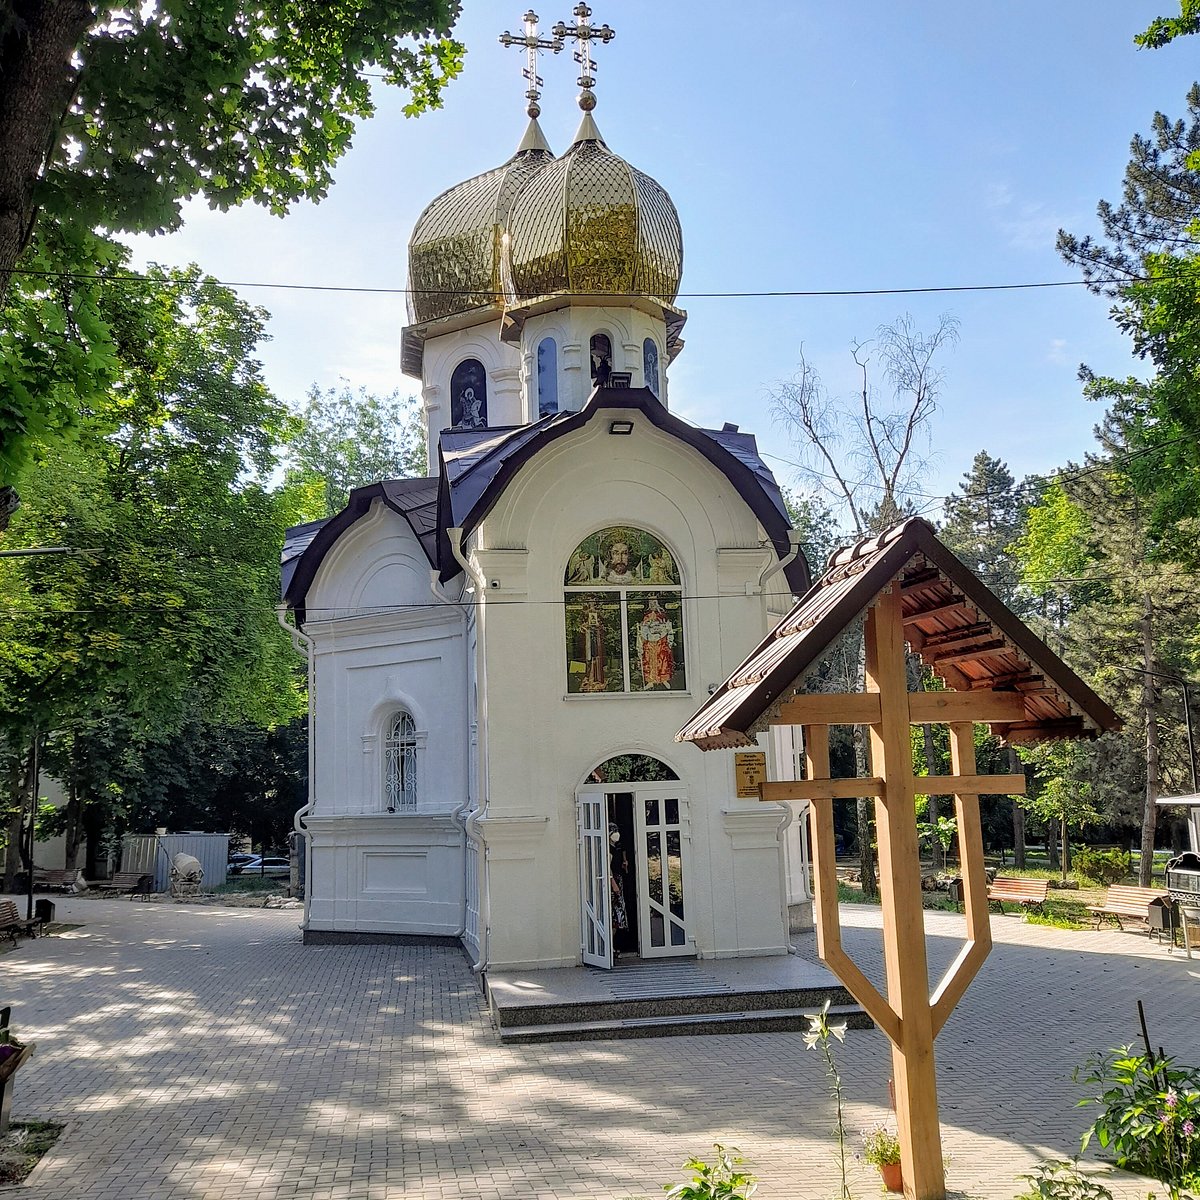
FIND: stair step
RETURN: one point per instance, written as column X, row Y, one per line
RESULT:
column 748, row 1021
column 664, row 1002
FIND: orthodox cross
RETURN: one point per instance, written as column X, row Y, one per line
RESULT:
column 532, row 44
column 585, row 34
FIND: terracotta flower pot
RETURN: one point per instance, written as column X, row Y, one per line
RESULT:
column 891, row 1177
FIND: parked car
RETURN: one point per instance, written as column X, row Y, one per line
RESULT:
column 239, row 860
column 270, row 868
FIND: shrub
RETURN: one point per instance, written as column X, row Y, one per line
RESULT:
column 1150, row 1118
column 1103, row 866
column 723, row 1180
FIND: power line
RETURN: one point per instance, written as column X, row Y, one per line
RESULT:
column 777, row 294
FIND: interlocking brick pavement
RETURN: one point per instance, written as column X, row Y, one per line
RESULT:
column 204, row 1052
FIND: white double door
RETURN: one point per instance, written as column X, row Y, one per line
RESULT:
column 661, row 839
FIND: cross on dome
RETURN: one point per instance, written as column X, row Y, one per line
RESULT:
column 585, row 34
column 532, row 44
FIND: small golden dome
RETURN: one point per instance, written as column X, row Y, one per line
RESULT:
column 455, row 250
column 591, row 224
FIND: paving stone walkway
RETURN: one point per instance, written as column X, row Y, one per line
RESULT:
column 205, row 1053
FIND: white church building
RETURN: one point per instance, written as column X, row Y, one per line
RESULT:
column 500, row 655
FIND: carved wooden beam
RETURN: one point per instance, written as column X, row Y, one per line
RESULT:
column 981, row 651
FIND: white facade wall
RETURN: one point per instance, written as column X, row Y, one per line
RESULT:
column 542, row 744
column 372, row 870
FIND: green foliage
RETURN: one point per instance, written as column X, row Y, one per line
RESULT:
column 1150, row 1115
column 722, row 1180
column 232, row 101
column 167, row 611
column 168, row 101
column 1061, row 1181
column 345, row 439
column 981, row 520
column 1166, row 29
column 1054, row 542
column 1103, row 866
column 881, row 1146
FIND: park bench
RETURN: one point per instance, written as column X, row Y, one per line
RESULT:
column 132, row 883
column 12, row 923
column 56, row 880
column 1124, row 901
column 1026, row 892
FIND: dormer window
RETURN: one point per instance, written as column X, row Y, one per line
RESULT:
column 468, row 395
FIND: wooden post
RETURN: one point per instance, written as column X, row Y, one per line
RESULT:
column 903, row 913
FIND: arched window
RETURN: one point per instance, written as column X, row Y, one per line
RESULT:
column 400, row 764
column 547, row 377
column 624, row 615
column 468, row 395
column 650, row 364
column 602, row 358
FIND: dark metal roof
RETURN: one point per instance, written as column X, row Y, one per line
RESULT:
column 961, row 630
column 477, row 466
column 305, row 546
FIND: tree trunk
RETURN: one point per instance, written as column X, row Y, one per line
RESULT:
column 1066, row 849
column 931, row 812
column 92, row 820
column 1150, row 812
column 37, row 81
column 73, row 832
column 864, row 810
column 1015, row 767
column 1051, row 845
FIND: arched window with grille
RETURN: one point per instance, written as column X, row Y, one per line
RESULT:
column 650, row 365
column 400, row 764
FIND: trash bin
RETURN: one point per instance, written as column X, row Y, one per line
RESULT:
column 43, row 910
column 956, row 891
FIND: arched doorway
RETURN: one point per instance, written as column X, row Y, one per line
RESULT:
column 633, row 837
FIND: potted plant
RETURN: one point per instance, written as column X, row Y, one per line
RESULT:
column 881, row 1148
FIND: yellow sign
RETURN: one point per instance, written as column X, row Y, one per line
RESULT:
column 749, row 770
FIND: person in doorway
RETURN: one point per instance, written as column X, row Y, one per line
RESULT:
column 618, row 868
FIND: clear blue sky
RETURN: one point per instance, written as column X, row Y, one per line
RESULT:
column 807, row 146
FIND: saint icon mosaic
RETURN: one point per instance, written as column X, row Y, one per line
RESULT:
column 624, row 615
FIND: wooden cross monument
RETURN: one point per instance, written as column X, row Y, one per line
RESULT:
column 914, row 593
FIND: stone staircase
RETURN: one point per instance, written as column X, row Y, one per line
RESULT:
column 663, row 999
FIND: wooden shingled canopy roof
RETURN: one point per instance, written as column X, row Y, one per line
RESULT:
column 960, row 629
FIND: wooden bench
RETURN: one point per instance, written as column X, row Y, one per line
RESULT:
column 132, row 883
column 1123, row 901
column 1025, row 892
column 12, row 923
column 56, row 880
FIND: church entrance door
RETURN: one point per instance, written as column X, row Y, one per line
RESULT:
column 661, row 821
column 643, row 828
column 594, row 882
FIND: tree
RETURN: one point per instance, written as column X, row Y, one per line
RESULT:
column 346, row 439
column 168, row 603
column 1166, row 29
column 865, row 453
column 111, row 115
column 1125, row 616
column 1147, row 261
column 981, row 520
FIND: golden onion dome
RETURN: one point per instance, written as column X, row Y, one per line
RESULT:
column 455, row 250
column 591, row 224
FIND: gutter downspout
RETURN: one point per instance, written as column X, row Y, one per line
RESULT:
column 779, row 564
column 303, row 645
column 470, row 825
column 458, row 816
